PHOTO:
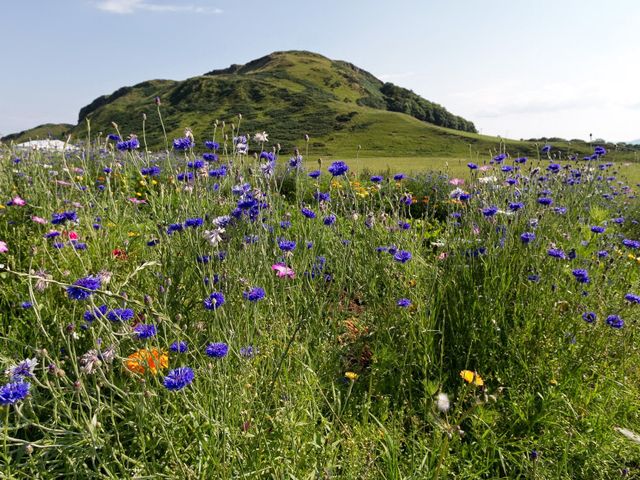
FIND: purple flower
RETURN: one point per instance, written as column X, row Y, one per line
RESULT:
column 179, row 347
column 83, row 288
column 120, row 314
column 399, row 176
column 14, row 392
column 631, row 243
column 527, row 237
column 589, row 317
column 597, row 229
column 183, row 143
column 338, row 168
column 215, row 300
column 143, row 331
column 287, row 245
column 402, row 256
column 308, row 213
column 403, row 302
column 545, row 201
column 556, row 253
column 254, row 294
column 614, row 321
column 217, row 350
column 581, row 275
column 314, row 173
column 329, row 220
column 472, row 166
column 632, row 298
column 490, row 211
column 376, row 179
column 178, row 378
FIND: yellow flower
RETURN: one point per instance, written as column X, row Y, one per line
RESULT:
column 154, row 360
column 472, row 377
column 351, row 376
column 133, row 234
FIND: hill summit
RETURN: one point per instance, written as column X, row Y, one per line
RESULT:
column 289, row 93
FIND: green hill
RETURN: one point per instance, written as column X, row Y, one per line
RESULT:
column 290, row 94
column 54, row 131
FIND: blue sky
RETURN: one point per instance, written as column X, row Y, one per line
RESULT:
column 516, row 68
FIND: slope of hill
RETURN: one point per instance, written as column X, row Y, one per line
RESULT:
column 55, row 131
column 290, row 94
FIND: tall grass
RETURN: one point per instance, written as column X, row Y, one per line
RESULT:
column 326, row 377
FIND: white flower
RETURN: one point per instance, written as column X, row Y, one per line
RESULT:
column 261, row 137
column 214, row 237
column 491, row 179
column 443, row 402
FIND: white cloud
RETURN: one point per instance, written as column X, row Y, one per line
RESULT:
column 124, row 7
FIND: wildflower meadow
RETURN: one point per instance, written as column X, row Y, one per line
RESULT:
column 219, row 308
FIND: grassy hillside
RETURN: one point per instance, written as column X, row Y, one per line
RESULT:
column 56, row 131
column 344, row 109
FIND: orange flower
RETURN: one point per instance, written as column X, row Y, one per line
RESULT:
column 154, row 359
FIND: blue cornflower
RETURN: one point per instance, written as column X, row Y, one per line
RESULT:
column 203, row 259
column 581, row 275
column 322, row 197
column 618, row 220
column 631, row 243
column 210, row 157
column 599, row 151
column 287, row 245
column 560, row 210
column 376, row 178
column 120, row 314
column 178, row 378
column 254, row 294
column 314, row 173
column 515, row 206
column 143, row 331
column 329, row 220
column 128, row 145
column 556, row 253
column 521, row 160
column 603, row 254
column 308, row 213
column 26, row 305
column 614, row 321
column 338, row 168
column 193, row 222
column 500, row 158
column 150, row 171
column 248, row 352
column 403, row 302
column 597, row 229
column 213, row 301
column 632, row 297
column 472, row 166
column 285, row 224
column 589, row 317
column 545, row 201
column 185, row 177
column 211, row 145
column 83, row 288
column 14, row 392
column 507, row 168
column 527, row 237
column 175, row 227
column 399, row 176
column 113, row 137
column 533, row 278
column 179, row 347
column 183, row 143
column 216, row 350
column 546, row 149
column 490, row 211
column 295, row 161
column 554, row 167
column 404, row 225
column 57, row 245
column 218, row 172
column 94, row 314
column 52, row 234
column 402, row 256
column 79, row 245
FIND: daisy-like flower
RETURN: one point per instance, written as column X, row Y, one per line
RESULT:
column 472, row 377
column 214, row 237
column 261, row 137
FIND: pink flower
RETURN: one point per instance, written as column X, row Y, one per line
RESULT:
column 18, row 201
column 443, row 256
column 456, row 181
column 73, row 235
column 3, row 247
column 485, row 168
column 283, row 271
column 39, row 220
column 136, row 201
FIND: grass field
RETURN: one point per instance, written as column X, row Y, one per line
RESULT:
column 237, row 316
